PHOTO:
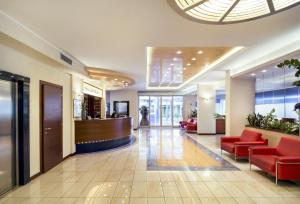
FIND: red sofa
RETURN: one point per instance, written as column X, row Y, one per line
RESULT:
column 183, row 123
column 239, row 146
column 191, row 127
column 282, row 161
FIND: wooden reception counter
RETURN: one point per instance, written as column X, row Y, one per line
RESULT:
column 101, row 134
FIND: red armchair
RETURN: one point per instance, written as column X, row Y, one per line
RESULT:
column 282, row 161
column 191, row 127
column 183, row 123
column 239, row 146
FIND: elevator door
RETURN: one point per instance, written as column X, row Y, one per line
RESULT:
column 51, row 126
column 7, row 147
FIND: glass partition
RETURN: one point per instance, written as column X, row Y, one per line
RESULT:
column 155, row 111
column 166, row 110
column 177, row 109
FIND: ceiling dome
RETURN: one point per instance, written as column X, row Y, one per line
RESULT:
column 229, row 11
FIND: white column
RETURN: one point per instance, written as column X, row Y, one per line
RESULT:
column 206, row 109
column 240, row 101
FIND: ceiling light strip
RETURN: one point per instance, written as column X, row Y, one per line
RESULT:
column 229, row 10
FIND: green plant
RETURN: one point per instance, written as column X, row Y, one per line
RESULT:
column 292, row 64
column 270, row 122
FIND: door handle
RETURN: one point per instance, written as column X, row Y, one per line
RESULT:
column 47, row 128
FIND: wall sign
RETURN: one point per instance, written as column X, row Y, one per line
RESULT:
column 92, row 90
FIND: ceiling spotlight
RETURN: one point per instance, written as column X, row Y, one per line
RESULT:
column 188, row 64
column 171, row 64
column 263, row 71
column 180, row 72
column 200, row 52
column 194, row 58
column 253, row 74
column 184, row 68
column 116, row 79
column 179, row 52
column 105, row 77
column 123, row 81
column 169, row 68
column 175, row 59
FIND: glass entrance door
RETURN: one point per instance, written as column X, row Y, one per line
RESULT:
column 155, row 111
column 144, row 110
column 166, row 111
column 177, row 110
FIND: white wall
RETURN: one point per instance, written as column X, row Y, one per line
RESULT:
column 206, row 108
column 240, row 101
column 126, row 95
column 20, row 59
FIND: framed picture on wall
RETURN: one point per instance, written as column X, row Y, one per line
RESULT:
column 77, row 108
column 121, row 108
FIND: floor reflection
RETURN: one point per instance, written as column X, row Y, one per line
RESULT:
column 170, row 149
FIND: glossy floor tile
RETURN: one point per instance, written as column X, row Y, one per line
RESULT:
column 123, row 176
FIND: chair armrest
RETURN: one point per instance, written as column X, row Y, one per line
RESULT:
column 250, row 143
column 263, row 150
column 289, row 159
column 230, row 139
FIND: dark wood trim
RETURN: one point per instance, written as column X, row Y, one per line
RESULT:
column 40, row 173
column 206, row 133
column 68, row 156
column 35, row 176
column 42, row 83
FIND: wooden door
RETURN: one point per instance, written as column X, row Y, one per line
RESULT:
column 51, row 125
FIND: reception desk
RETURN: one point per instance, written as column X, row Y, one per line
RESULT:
column 102, row 134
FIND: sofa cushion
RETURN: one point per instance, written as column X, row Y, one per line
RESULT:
column 265, row 162
column 250, row 136
column 228, row 146
column 288, row 147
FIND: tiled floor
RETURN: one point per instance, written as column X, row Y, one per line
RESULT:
column 121, row 176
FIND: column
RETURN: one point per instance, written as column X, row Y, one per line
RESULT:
column 206, row 122
column 240, row 101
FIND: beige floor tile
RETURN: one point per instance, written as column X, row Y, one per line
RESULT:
column 154, row 189
column 48, row 200
column 123, row 190
column 139, row 189
column 209, row 200
column 156, row 200
column 60, row 189
column 127, row 176
column 140, row 176
column 138, row 201
column 170, row 189
column 173, row 201
column 186, row 189
column 153, row 176
column 244, row 200
column 166, row 176
column 201, row 189
column 114, row 176
column 217, row 189
column 99, row 201
column 107, row 189
column 76, row 190
column 226, row 200
column 191, row 201
column 91, row 189
column 119, row 200
column 67, row 201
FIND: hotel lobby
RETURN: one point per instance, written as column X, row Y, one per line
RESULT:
column 150, row 102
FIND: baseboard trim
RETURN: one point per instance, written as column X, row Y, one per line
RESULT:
column 35, row 176
column 68, row 156
column 40, row 173
column 206, row 133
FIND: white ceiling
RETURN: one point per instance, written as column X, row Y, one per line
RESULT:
column 114, row 34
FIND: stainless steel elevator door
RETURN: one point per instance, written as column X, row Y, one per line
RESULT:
column 6, row 137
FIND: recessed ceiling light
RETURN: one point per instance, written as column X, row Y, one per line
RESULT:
column 175, row 59
column 171, row 64
column 194, row 58
column 263, row 71
column 253, row 74
column 169, row 68
column 116, row 79
column 180, row 72
column 200, row 52
column 105, row 77
column 123, row 81
column 188, row 64
column 179, row 52
column 184, row 68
